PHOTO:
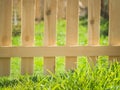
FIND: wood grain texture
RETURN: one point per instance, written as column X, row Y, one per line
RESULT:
column 94, row 7
column 38, row 10
column 28, row 20
column 60, row 51
column 50, row 17
column 72, row 31
column 5, row 33
column 61, row 9
column 114, row 25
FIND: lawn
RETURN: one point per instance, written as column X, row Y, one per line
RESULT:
column 102, row 77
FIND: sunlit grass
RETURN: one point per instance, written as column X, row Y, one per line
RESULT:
column 84, row 78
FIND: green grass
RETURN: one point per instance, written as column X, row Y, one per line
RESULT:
column 102, row 77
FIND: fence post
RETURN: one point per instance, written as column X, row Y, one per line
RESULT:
column 28, row 20
column 5, row 33
column 72, row 31
column 94, row 7
column 50, row 15
column 114, row 25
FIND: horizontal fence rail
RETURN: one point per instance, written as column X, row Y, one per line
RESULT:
column 49, row 51
column 60, row 51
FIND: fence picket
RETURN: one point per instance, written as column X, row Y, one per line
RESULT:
column 72, row 31
column 5, row 33
column 94, row 7
column 28, row 19
column 114, row 25
column 61, row 9
column 38, row 10
column 49, row 50
column 50, row 11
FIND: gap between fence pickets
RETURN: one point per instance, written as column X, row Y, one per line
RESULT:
column 60, row 51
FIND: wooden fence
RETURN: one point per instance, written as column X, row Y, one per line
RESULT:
column 50, row 50
column 39, row 15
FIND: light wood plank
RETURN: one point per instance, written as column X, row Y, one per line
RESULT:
column 94, row 7
column 60, row 51
column 61, row 9
column 114, row 25
column 72, row 31
column 50, row 15
column 5, row 33
column 28, row 20
column 42, row 9
column 38, row 10
column 19, row 9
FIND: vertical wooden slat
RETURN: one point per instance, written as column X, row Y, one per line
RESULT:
column 94, row 7
column 5, row 33
column 61, row 9
column 28, row 20
column 72, row 31
column 39, row 10
column 19, row 9
column 50, row 11
column 37, row 16
column 114, row 25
